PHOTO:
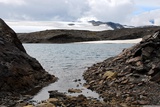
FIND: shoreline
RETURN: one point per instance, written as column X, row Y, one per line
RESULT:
column 114, row 41
column 131, row 78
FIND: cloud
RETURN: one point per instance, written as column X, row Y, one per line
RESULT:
column 147, row 3
column 122, row 11
column 146, row 18
column 13, row 2
column 110, row 10
column 45, row 10
column 67, row 10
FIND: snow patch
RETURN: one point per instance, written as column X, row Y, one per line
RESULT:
column 115, row 41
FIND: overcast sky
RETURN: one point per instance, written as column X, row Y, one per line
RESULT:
column 130, row 12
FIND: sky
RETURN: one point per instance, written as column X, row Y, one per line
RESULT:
column 129, row 12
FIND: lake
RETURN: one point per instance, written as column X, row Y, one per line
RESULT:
column 68, row 62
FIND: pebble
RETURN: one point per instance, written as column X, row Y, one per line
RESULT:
column 74, row 90
column 52, row 100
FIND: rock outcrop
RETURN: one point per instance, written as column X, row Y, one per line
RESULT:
column 19, row 72
column 132, row 77
column 69, row 36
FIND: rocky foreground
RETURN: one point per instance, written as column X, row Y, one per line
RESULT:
column 69, row 36
column 58, row 99
column 19, row 73
column 130, row 79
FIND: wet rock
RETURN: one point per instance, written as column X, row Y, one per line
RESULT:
column 77, row 80
column 86, row 85
column 52, row 100
column 62, row 100
column 29, row 106
column 55, row 94
column 74, row 90
column 19, row 73
column 22, row 104
column 45, row 105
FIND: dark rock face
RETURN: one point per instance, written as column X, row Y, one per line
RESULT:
column 8, row 35
column 19, row 72
column 132, row 77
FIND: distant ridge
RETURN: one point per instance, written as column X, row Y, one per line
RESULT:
column 110, row 24
column 69, row 36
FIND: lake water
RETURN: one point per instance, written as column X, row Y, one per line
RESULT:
column 68, row 62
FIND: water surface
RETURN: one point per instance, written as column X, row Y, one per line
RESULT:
column 68, row 62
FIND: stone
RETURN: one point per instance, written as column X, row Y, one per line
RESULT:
column 55, row 94
column 129, row 99
column 136, row 59
column 156, row 77
column 151, row 72
column 52, row 100
column 143, row 102
column 125, row 81
column 23, row 104
column 74, row 90
column 86, row 85
column 123, row 105
column 29, row 106
column 109, row 74
column 45, row 105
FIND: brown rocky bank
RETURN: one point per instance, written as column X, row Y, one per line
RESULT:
column 130, row 78
column 19, row 73
column 58, row 99
column 69, row 36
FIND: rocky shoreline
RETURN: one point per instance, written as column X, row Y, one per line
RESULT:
column 130, row 79
column 70, row 36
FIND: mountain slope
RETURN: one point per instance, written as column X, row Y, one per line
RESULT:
column 68, row 36
column 110, row 24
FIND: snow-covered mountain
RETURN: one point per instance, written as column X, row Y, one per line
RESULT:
column 110, row 24
column 32, row 26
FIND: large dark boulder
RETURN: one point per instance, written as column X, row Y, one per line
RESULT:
column 19, row 72
column 132, row 77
